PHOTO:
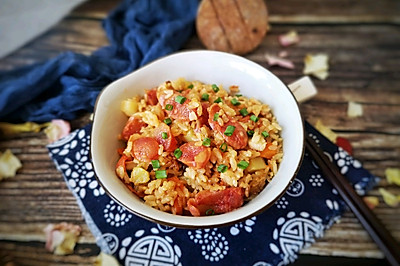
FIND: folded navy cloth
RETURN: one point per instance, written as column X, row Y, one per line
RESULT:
column 275, row 237
column 139, row 31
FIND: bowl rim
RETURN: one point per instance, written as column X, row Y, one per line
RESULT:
column 205, row 226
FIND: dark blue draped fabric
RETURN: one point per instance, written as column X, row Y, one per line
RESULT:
column 139, row 31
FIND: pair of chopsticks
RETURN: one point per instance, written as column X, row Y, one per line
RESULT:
column 377, row 231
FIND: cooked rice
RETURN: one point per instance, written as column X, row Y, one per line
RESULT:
column 184, row 182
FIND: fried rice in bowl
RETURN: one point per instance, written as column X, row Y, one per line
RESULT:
column 197, row 139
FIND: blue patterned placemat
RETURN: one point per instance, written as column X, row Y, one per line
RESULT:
column 275, row 237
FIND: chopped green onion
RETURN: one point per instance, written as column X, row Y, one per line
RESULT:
column 235, row 102
column 180, row 99
column 164, row 135
column 167, row 121
column 210, row 212
column 265, row 134
column 239, row 95
column 243, row 164
column 169, row 107
column 161, row 174
column 205, row 97
column 207, row 142
column 222, row 168
column 216, row 116
column 229, row 130
column 253, row 118
column 250, row 133
column 215, row 88
column 190, row 86
column 155, row 163
column 218, row 100
column 223, row 147
column 177, row 153
column 243, row 112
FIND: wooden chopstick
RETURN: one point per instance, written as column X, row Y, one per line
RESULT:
column 377, row 231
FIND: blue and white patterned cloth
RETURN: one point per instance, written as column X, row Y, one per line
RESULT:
column 309, row 207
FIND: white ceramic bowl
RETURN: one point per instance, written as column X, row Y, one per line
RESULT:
column 208, row 67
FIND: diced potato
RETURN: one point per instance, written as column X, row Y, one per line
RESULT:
column 61, row 238
column 316, row 65
column 256, row 164
column 9, row 164
column 371, row 201
column 104, row 259
column 354, row 109
column 326, row 131
column 68, row 244
column 389, row 198
column 129, row 106
column 57, row 129
column 393, row 175
column 9, row 129
column 139, row 176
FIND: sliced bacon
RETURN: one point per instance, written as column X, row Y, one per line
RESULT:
column 133, row 125
column 179, row 111
column 212, row 110
column 145, row 149
column 267, row 153
column 170, row 143
column 203, row 119
column 180, row 200
column 194, row 156
column 120, row 168
column 137, row 193
column 244, row 119
column 238, row 140
column 215, row 202
column 151, row 97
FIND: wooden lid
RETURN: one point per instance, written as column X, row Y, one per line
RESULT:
column 235, row 26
